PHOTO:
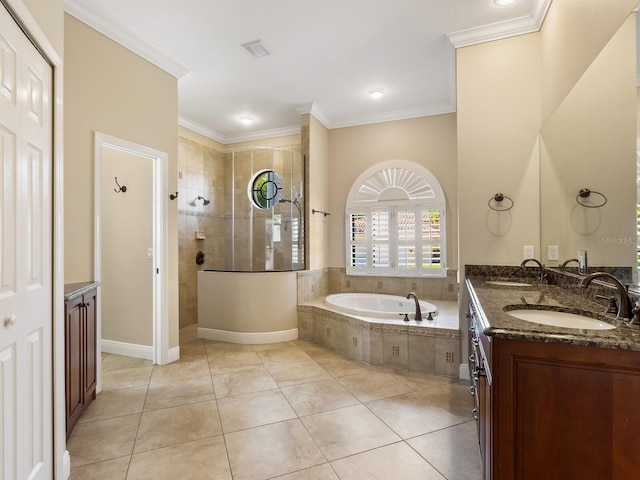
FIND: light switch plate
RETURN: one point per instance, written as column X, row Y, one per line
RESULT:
column 552, row 252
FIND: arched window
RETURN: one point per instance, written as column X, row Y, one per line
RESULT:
column 395, row 222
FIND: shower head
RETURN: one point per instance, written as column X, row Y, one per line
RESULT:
column 204, row 201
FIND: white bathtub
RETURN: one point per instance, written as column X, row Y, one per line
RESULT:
column 375, row 305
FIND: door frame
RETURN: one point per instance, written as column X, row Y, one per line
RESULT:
column 160, row 350
column 24, row 18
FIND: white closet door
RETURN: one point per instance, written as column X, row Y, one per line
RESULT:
column 26, row 313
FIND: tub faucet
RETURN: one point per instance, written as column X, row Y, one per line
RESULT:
column 624, row 305
column 418, row 316
column 543, row 275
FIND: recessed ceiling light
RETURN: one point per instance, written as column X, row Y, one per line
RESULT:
column 376, row 93
column 246, row 119
column 503, row 3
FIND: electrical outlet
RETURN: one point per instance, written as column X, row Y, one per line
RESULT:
column 395, row 350
column 552, row 252
column 528, row 252
column 379, row 285
column 328, row 332
column 347, row 283
column 449, row 357
column 414, row 286
column 355, row 341
column 450, row 287
column 313, row 288
column 304, row 324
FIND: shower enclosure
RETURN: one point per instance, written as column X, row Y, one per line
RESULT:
column 262, row 213
column 258, row 245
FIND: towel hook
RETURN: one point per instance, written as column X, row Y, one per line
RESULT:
column 122, row 188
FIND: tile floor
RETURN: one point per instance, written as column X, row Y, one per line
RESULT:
column 293, row 411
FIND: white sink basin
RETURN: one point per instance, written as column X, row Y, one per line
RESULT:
column 508, row 283
column 561, row 319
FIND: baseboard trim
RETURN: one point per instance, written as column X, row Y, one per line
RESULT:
column 247, row 338
column 464, row 373
column 66, row 465
column 174, row 354
column 129, row 349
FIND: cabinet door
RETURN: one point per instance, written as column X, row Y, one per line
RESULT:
column 74, row 361
column 89, row 346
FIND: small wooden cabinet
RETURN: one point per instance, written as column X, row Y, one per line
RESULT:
column 554, row 410
column 80, row 353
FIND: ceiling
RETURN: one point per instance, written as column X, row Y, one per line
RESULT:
column 325, row 55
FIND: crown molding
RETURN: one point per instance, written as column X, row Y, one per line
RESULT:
column 397, row 115
column 505, row 29
column 242, row 137
column 312, row 108
column 125, row 38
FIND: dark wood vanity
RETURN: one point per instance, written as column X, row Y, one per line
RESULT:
column 551, row 402
column 80, row 350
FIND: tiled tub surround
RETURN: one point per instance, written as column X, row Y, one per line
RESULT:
column 315, row 284
column 428, row 346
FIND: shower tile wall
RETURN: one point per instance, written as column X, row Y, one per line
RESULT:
column 200, row 173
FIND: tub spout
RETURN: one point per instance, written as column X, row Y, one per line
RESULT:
column 418, row 316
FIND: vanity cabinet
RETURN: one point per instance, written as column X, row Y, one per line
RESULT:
column 548, row 410
column 80, row 354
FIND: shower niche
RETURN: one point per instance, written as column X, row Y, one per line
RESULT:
column 262, row 215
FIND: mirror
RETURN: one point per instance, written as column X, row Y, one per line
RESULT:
column 589, row 142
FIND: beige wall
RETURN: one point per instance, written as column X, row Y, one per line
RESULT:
column 319, row 196
column 428, row 141
column 50, row 17
column 573, row 34
column 498, row 123
column 126, row 298
column 111, row 90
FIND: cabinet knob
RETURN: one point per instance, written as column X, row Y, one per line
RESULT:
column 472, row 358
column 9, row 320
column 477, row 373
column 474, row 413
column 87, row 304
column 472, row 390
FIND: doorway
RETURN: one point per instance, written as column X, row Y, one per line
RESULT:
column 131, row 249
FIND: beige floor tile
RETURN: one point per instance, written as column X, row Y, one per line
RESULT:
column 454, row 398
column 453, row 451
column 295, row 373
column 173, row 426
column 321, row 472
column 316, row 397
column 115, row 469
column 115, row 403
column 373, row 385
column 220, row 348
column 282, row 355
column 272, row 346
column 126, row 378
column 202, row 459
column 413, row 414
column 184, row 368
column 193, row 350
column 271, row 450
column 251, row 380
column 422, row 381
column 102, row 440
column 232, row 361
column 180, row 392
column 253, row 410
column 392, row 462
column 120, row 362
column 341, row 366
column 348, row 431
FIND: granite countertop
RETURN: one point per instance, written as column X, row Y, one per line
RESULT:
column 73, row 290
column 491, row 301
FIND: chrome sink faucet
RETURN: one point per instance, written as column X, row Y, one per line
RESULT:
column 418, row 316
column 543, row 275
column 624, row 304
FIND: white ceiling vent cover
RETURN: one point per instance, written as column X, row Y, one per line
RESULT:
column 256, row 49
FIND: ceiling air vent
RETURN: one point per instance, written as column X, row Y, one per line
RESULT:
column 256, row 49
